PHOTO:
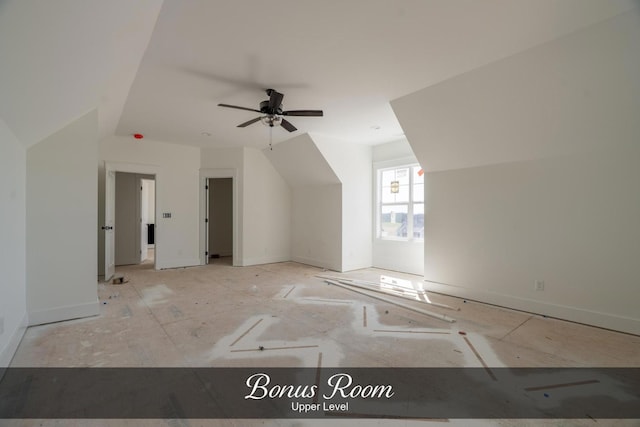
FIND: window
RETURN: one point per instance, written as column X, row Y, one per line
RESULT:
column 401, row 202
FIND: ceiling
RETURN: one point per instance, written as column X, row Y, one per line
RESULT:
column 60, row 59
column 348, row 58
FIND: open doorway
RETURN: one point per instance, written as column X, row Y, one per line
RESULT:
column 106, row 215
column 224, row 199
column 134, row 225
column 148, row 208
column 219, row 221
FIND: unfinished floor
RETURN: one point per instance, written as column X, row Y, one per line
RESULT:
column 219, row 315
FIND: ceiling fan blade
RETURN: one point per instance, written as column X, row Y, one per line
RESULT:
column 307, row 113
column 250, row 122
column 238, row 108
column 275, row 99
column 288, row 126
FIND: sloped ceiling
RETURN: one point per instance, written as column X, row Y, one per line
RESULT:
column 350, row 58
column 300, row 163
column 581, row 92
column 63, row 58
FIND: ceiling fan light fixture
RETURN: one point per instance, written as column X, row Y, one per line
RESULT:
column 271, row 121
column 272, row 112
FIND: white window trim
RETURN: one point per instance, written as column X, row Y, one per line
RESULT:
column 378, row 167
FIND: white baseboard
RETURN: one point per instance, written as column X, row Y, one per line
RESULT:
column 564, row 312
column 6, row 354
column 402, row 268
column 316, row 263
column 59, row 314
column 357, row 266
column 264, row 260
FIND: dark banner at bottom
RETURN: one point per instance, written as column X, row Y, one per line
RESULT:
column 416, row 393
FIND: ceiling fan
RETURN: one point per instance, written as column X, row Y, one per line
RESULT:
column 272, row 112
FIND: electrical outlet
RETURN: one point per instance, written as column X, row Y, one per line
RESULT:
column 538, row 285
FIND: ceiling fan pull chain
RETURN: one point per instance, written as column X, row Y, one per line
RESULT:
column 270, row 138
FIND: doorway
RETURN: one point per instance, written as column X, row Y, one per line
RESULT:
column 219, row 221
column 214, row 228
column 134, row 225
column 148, row 228
column 106, row 214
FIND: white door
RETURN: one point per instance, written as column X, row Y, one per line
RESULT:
column 109, row 216
column 127, row 218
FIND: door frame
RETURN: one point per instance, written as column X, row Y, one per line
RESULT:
column 144, row 231
column 142, row 169
column 108, row 225
column 206, row 174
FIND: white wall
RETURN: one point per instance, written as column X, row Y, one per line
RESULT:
column 576, row 93
column 316, row 203
column 316, row 224
column 331, row 204
column 532, row 175
column 572, row 222
column 81, row 55
column 61, row 221
column 177, row 238
column 396, row 255
column 400, row 149
column 224, row 163
column 13, row 303
column 263, row 212
column 222, row 158
column 352, row 164
column 266, row 215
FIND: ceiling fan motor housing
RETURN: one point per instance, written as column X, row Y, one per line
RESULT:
column 264, row 108
column 272, row 112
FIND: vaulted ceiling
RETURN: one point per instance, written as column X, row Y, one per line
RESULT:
column 161, row 68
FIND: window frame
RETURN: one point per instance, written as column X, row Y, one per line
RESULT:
column 381, row 167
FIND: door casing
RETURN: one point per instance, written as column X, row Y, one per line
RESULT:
column 110, row 169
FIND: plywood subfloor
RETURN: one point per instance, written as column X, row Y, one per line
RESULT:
column 282, row 315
